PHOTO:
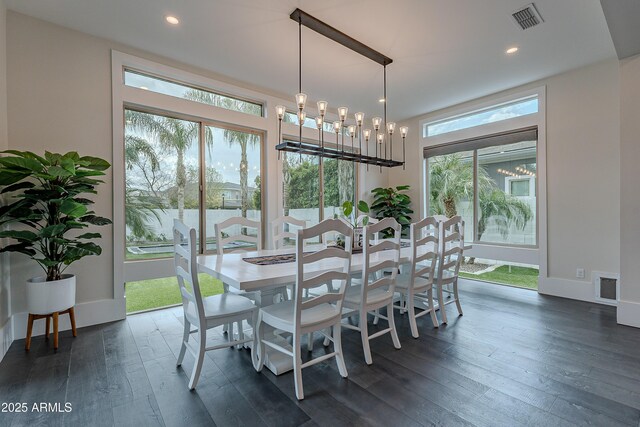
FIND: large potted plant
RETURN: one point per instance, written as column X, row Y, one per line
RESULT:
column 47, row 213
column 393, row 203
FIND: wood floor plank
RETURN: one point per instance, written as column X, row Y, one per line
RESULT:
column 515, row 358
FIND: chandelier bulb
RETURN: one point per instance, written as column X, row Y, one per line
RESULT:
column 376, row 123
column 322, row 107
column 280, row 110
column 342, row 113
column 301, row 100
column 404, row 130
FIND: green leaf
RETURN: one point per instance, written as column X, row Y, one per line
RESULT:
column 16, row 187
column 347, row 208
column 402, row 187
column 95, row 163
column 27, row 155
column 90, row 247
column 19, row 235
column 365, row 221
column 23, row 248
column 8, row 177
column 72, row 208
column 95, row 220
column 58, row 172
column 21, row 163
column 52, row 230
column 90, row 236
column 68, row 164
column 363, row 206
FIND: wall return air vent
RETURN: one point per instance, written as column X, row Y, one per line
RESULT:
column 607, row 287
column 527, row 17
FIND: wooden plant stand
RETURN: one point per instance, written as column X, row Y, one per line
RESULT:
column 55, row 316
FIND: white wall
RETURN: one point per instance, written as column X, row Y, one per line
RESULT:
column 629, row 308
column 583, row 158
column 6, row 334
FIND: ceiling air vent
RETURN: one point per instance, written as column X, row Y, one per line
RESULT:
column 607, row 287
column 527, row 17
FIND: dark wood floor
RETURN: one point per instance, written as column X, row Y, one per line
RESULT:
column 514, row 358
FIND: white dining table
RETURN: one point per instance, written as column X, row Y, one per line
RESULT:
column 232, row 269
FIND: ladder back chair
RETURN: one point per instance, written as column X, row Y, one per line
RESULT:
column 203, row 313
column 301, row 315
column 280, row 232
column 377, row 288
column 451, row 257
column 417, row 284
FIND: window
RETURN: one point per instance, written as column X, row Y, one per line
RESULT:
column 232, row 177
column 492, row 114
column 161, row 181
column 163, row 175
column 302, row 193
column 489, row 181
column 507, row 195
column 167, row 87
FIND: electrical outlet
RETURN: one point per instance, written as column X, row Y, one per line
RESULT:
column 580, row 273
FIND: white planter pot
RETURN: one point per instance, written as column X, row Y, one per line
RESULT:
column 47, row 297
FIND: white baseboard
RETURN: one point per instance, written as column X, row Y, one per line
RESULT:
column 87, row 314
column 629, row 313
column 6, row 337
column 565, row 288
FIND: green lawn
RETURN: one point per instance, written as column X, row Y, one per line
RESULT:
column 148, row 294
column 523, row 277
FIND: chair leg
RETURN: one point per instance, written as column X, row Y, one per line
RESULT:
column 392, row 325
column 258, row 350
column 240, row 326
column 327, row 341
column 185, row 339
column 72, row 318
column 297, row 369
column 27, row 344
column 55, row 330
column 403, row 303
column 376, row 318
column 411, row 312
column 443, row 310
column 197, row 367
column 364, row 336
column 46, row 330
column 434, row 318
column 337, row 346
column 455, row 295
column 310, row 341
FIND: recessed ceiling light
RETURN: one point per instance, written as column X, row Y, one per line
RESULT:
column 381, row 100
column 144, row 88
column 512, row 50
column 172, row 20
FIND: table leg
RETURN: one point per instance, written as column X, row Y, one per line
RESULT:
column 27, row 344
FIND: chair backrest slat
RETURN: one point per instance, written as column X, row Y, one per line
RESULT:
column 425, row 248
column 375, row 273
column 335, row 267
column 186, row 268
column 281, row 230
column 243, row 223
column 451, row 248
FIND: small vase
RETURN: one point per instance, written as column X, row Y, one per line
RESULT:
column 356, row 244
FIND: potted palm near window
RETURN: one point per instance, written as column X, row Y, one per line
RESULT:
column 48, row 213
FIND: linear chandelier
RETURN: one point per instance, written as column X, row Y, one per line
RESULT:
column 383, row 131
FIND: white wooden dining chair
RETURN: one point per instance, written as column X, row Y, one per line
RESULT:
column 203, row 313
column 417, row 283
column 236, row 230
column 377, row 288
column 451, row 257
column 239, row 226
column 281, row 230
column 302, row 316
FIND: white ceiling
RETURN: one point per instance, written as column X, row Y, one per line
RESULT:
column 444, row 51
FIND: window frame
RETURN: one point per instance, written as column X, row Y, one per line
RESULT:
column 521, row 254
column 157, row 103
